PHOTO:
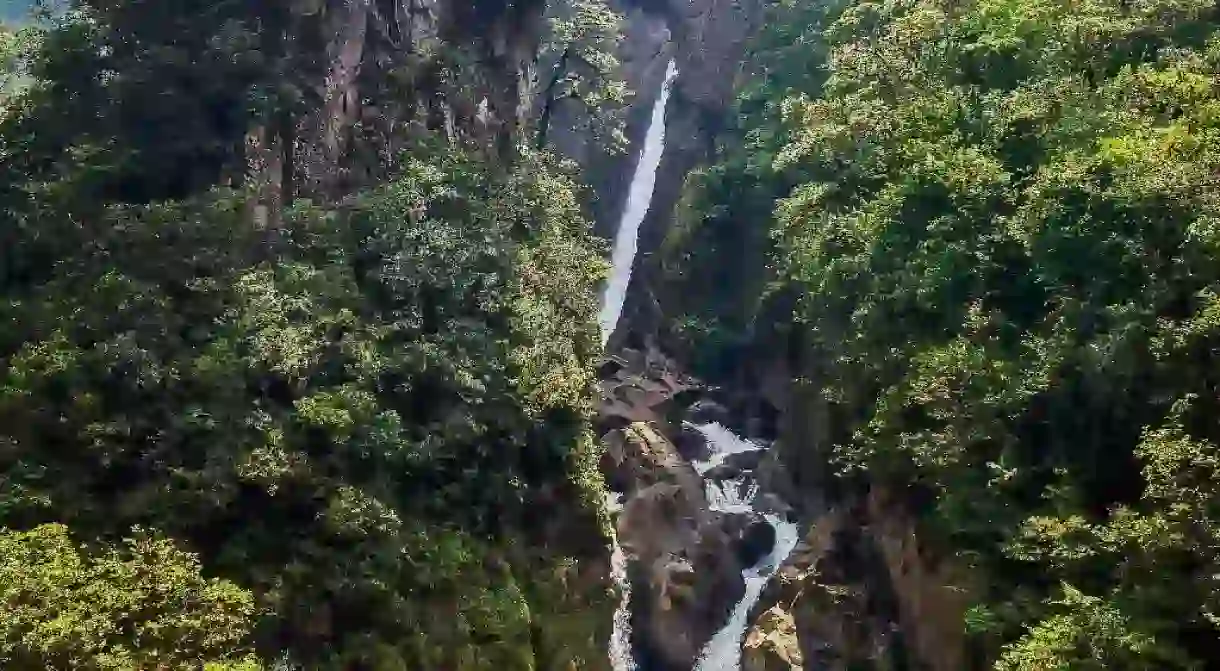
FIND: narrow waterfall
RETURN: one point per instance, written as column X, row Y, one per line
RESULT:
column 736, row 496
column 639, row 197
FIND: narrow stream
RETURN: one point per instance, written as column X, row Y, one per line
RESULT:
column 736, row 496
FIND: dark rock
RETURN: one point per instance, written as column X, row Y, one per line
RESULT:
column 755, row 542
column 610, row 367
column 708, row 411
column 744, row 461
column 691, row 444
column 773, row 476
column 770, row 503
column 725, row 471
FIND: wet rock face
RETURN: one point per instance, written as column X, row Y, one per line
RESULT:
column 754, row 542
column 688, row 559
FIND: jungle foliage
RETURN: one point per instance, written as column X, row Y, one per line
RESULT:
column 992, row 246
column 322, row 444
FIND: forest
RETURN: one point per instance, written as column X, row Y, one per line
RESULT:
column 277, row 409
column 298, row 356
column 991, row 256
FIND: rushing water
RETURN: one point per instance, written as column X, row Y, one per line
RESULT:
column 620, row 638
column 721, row 444
column 639, row 197
column 735, row 496
column 723, row 652
column 731, row 496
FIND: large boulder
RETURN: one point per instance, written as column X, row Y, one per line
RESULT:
column 725, row 471
column 745, row 461
column 687, row 559
column 754, row 541
column 708, row 411
column 638, row 456
column 771, row 644
column 691, row 443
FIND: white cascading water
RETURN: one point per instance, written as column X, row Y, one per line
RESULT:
column 620, row 637
column 723, row 652
column 639, row 197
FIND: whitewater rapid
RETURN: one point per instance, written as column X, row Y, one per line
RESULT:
column 736, row 496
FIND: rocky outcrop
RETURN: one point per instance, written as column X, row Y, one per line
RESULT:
column 709, row 38
column 772, row 643
column 687, row 559
column 642, row 385
column 376, row 77
column 860, row 593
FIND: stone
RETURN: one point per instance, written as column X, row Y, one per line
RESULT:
column 724, row 471
column 708, row 411
column 745, row 461
column 770, row 503
column 691, row 444
column 755, row 542
column 771, row 644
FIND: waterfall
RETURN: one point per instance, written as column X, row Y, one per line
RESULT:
column 735, row 496
column 620, row 637
column 722, row 443
column 639, row 197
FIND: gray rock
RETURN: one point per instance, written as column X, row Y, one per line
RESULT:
column 724, row 471
column 770, row 503
column 707, row 411
column 745, row 461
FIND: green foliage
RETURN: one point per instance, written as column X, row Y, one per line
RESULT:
column 579, row 72
column 14, row 46
column 412, row 367
column 996, row 222
column 354, row 413
column 145, row 606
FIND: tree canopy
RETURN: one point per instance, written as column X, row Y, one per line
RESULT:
column 317, row 439
column 992, row 249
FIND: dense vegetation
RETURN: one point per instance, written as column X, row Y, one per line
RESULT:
column 303, row 427
column 993, row 250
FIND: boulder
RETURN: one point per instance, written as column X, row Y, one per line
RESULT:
column 708, row 411
column 691, row 444
column 745, row 461
column 770, row 503
column 725, row 471
column 637, row 456
column 771, row 644
column 754, row 542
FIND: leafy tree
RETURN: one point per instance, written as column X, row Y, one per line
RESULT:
column 992, row 233
column 410, row 368
column 144, row 606
column 578, row 71
column 14, row 44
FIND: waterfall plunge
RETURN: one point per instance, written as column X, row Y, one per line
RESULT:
column 723, row 652
column 639, row 197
